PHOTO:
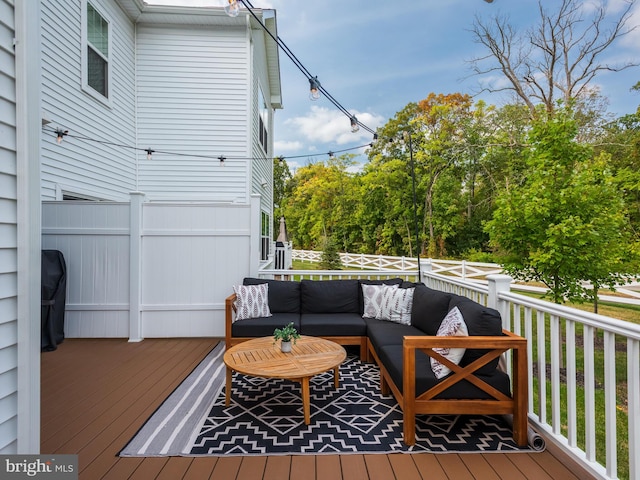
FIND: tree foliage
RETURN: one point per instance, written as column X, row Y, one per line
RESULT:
column 539, row 184
column 565, row 223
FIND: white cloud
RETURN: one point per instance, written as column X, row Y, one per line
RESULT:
column 326, row 125
column 284, row 146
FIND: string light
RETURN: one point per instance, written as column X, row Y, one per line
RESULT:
column 61, row 134
column 303, row 69
column 314, row 88
column 354, row 124
column 149, row 151
column 232, row 8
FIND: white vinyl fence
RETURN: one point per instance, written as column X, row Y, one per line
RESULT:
column 140, row 269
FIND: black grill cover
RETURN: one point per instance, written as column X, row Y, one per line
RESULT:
column 54, row 286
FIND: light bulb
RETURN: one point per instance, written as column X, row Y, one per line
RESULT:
column 232, row 8
column 314, row 89
column 60, row 135
column 149, row 152
column 354, row 124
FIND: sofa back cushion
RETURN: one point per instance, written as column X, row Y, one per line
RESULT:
column 329, row 296
column 429, row 308
column 480, row 320
column 284, row 296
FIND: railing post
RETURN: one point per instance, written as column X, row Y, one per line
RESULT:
column 497, row 284
column 135, row 266
column 254, row 235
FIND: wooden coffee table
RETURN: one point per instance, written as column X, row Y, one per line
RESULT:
column 260, row 357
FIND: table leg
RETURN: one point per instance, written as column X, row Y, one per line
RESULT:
column 227, row 396
column 306, row 400
column 336, row 377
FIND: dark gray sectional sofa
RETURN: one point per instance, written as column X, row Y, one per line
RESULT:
column 333, row 309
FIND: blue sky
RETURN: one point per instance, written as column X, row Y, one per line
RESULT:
column 374, row 57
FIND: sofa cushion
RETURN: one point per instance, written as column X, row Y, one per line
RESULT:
column 329, row 296
column 452, row 326
column 333, row 324
column 391, row 357
column 382, row 332
column 480, row 320
column 284, row 296
column 264, row 327
column 387, row 281
column 251, row 301
column 429, row 308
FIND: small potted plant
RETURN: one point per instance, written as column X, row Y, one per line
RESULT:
column 286, row 334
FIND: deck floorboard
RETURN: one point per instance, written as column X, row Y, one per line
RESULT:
column 97, row 393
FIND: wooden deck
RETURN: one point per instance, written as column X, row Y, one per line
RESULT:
column 97, row 393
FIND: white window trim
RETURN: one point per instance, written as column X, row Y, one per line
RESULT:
column 84, row 60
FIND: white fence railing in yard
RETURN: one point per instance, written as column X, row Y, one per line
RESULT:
column 461, row 269
column 574, row 400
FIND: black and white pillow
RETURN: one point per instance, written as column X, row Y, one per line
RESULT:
column 252, row 301
column 396, row 304
column 373, row 296
column 453, row 325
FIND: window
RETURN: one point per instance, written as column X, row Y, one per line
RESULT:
column 264, row 235
column 97, row 52
column 263, row 121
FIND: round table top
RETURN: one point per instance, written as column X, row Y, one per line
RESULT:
column 261, row 357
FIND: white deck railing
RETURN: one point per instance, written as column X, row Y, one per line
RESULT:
column 575, row 400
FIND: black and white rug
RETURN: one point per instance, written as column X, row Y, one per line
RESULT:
column 266, row 418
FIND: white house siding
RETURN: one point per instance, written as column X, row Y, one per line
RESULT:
column 8, row 235
column 261, row 166
column 83, row 165
column 19, row 228
column 193, row 84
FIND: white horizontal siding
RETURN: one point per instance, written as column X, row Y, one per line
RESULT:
column 8, row 235
column 85, row 164
column 192, row 100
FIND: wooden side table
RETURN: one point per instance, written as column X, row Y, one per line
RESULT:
column 260, row 357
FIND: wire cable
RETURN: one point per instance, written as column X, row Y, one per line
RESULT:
column 249, row 6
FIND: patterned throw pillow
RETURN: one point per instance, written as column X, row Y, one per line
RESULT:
column 372, row 295
column 252, row 301
column 452, row 326
column 396, row 304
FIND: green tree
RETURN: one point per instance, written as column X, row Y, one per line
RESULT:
column 321, row 202
column 281, row 188
column 330, row 259
column 564, row 224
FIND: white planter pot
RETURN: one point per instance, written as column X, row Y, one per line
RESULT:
column 285, row 347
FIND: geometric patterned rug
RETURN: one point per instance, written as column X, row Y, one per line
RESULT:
column 266, row 418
